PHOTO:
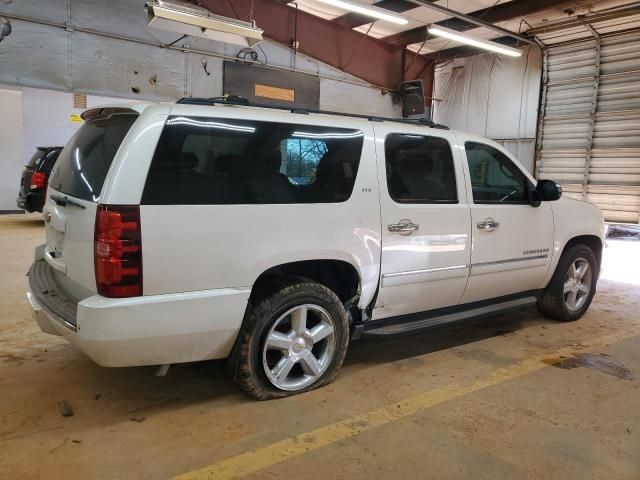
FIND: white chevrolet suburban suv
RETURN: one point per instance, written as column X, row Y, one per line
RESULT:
column 210, row 229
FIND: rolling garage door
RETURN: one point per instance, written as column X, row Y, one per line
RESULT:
column 589, row 131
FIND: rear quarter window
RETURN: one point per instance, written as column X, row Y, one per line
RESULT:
column 216, row 161
column 84, row 162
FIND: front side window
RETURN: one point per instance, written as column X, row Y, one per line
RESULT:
column 420, row 169
column 215, row 161
column 494, row 178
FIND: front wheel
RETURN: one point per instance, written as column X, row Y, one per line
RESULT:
column 571, row 289
column 292, row 341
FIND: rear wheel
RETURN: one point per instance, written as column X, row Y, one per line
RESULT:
column 571, row 289
column 292, row 341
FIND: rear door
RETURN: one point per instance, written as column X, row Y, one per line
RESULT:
column 74, row 190
column 426, row 238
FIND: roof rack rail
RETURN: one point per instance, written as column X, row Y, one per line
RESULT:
column 237, row 100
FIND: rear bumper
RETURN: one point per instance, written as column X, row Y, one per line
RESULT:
column 32, row 202
column 148, row 330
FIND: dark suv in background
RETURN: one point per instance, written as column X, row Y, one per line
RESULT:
column 33, row 184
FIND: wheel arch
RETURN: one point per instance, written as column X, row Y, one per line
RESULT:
column 339, row 276
column 592, row 241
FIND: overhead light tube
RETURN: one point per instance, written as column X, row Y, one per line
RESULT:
column 368, row 10
column 474, row 42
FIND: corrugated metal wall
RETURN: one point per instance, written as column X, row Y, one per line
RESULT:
column 589, row 133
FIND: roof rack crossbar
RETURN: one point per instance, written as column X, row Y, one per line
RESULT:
column 236, row 100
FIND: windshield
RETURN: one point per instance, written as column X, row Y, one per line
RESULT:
column 84, row 162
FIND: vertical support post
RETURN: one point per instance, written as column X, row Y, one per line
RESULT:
column 537, row 158
column 592, row 116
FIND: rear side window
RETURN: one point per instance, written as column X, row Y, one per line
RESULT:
column 84, row 162
column 217, row 161
column 420, row 169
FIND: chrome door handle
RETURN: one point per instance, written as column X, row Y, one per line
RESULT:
column 403, row 226
column 488, row 224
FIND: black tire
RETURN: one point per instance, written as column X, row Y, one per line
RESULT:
column 552, row 301
column 246, row 364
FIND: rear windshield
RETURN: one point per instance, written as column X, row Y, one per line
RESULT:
column 217, row 161
column 48, row 161
column 35, row 160
column 84, row 162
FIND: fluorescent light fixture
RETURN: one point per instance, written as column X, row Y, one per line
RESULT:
column 474, row 42
column 189, row 19
column 368, row 10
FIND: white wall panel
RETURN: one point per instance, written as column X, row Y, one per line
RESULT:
column 11, row 150
column 43, row 56
column 339, row 97
column 51, row 10
column 45, row 119
column 105, row 66
column 493, row 96
column 35, row 56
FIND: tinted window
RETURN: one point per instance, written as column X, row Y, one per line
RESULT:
column 84, row 162
column 420, row 169
column 216, row 161
column 494, row 178
column 48, row 162
column 34, row 161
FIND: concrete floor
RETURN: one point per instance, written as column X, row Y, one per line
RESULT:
column 480, row 400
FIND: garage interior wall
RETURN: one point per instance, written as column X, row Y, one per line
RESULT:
column 10, row 146
column 52, row 62
column 589, row 140
column 493, row 96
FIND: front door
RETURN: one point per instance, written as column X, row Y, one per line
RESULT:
column 512, row 240
column 425, row 221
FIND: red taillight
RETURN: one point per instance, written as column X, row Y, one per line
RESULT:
column 38, row 180
column 118, row 251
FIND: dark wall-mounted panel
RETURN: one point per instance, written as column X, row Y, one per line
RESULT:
column 264, row 85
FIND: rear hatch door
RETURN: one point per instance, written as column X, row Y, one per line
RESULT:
column 29, row 169
column 74, row 191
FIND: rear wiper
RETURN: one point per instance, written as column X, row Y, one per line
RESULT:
column 63, row 201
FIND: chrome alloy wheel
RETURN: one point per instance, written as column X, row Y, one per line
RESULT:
column 299, row 347
column 577, row 284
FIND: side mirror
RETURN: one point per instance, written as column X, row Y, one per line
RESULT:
column 548, row 190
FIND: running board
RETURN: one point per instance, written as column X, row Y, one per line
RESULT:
column 422, row 323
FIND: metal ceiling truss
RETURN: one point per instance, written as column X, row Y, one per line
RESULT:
column 363, row 56
column 588, row 19
column 354, row 20
column 478, row 22
column 386, row 62
column 499, row 13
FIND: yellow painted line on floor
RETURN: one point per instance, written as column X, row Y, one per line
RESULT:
column 289, row 448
